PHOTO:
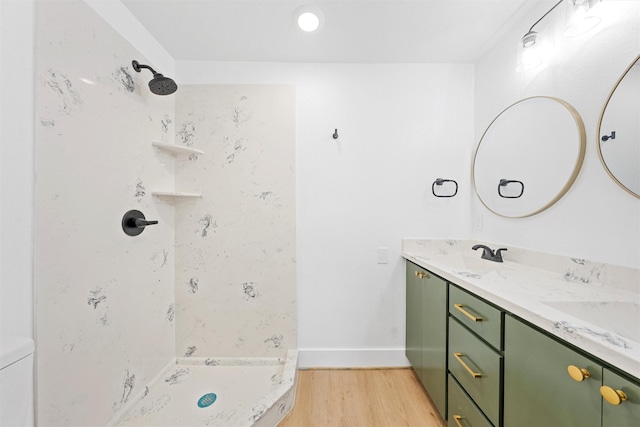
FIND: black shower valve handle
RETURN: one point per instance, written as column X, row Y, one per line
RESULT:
column 134, row 222
column 141, row 223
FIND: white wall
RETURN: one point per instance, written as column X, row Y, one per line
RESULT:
column 596, row 219
column 17, row 38
column 400, row 127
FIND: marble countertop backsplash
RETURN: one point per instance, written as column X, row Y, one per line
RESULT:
column 594, row 306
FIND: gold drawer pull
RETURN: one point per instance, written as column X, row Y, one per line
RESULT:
column 615, row 397
column 466, row 313
column 457, row 419
column 422, row 275
column 578, row 374
column 458, row 357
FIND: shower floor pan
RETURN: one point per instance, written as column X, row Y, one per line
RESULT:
column 224, row 392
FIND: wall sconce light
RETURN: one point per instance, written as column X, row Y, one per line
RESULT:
column 580, row 18
column 531, row 53
column 529, row 39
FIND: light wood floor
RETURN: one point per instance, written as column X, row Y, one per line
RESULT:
column 361, row 398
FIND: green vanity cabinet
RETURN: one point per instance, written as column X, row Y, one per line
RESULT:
column 538, row 390
column 414, row 317
column 548, row 383
column 620, row 413
column 426, row 331
column 475, row 358
column 477, row 367
column 487, row 368
column 463, row 412
column 483, row 319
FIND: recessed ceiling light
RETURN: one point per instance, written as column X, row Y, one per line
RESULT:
column 308, row 21
column 308, row 18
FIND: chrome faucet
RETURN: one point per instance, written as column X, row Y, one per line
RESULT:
column 487, row 253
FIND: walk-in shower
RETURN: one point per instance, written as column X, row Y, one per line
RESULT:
column 146, row 330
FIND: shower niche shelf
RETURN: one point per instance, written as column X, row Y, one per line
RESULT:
column 175, row 195
column 176, row 150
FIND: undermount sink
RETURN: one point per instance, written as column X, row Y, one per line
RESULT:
column 474, row 260
column 619, row 317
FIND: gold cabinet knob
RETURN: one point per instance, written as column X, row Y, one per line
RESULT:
column 615, row 397
column 457, row 419
column 422, row 275
column 578, row 374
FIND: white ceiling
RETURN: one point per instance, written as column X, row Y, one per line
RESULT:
column 374, row 31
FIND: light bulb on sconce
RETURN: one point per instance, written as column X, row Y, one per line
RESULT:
column 580, row 17
column 530, row 58
column 529, row 39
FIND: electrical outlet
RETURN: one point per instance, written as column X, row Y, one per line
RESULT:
column 383, row 255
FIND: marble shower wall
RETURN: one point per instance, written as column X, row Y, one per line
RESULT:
column 235, row 246
column 104, row 300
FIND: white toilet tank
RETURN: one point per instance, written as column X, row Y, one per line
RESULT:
column 16, row 381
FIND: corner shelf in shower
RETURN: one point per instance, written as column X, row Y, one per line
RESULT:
column 175, row 195
column 176, row 149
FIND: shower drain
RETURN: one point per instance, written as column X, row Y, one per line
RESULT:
column 207, row 400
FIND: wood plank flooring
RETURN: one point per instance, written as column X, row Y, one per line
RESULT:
column 361, row 398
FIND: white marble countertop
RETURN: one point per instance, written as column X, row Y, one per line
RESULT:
column 594, row 306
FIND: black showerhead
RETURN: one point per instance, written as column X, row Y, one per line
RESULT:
column 160, row 85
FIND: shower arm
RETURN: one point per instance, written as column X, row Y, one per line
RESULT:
column 138, row 66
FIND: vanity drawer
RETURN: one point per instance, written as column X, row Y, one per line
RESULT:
column 477, row 367
column 482, row 318
column 462, row 410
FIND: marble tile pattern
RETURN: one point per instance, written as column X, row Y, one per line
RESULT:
column 104, row 301
column 249, row 392
column 592, row 305
column 235, row 246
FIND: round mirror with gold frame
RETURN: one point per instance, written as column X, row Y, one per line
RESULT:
column 619, row 131
column 529, row 156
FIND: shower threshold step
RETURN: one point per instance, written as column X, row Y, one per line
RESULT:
column 229, row 392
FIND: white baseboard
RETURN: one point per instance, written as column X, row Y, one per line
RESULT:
column 351, row 358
